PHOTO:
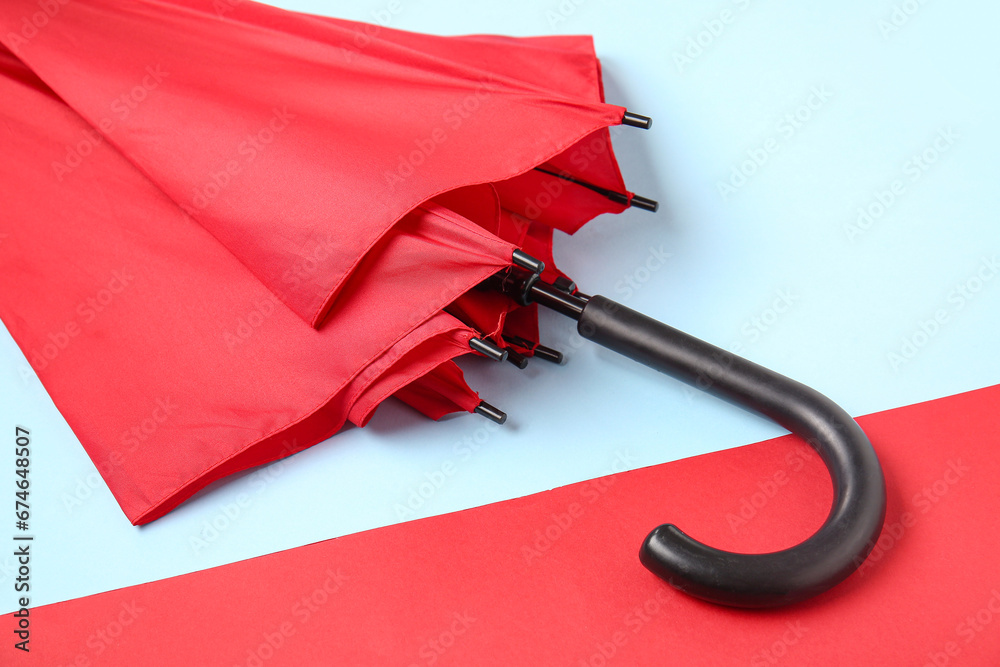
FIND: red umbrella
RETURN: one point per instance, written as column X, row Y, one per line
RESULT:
column 352, row 190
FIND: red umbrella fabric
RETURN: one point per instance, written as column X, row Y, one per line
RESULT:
column 272, row 138
column 440, row 392
column 171, row 362
column 356, row 238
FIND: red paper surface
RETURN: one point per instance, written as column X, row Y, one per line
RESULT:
column 554, row 578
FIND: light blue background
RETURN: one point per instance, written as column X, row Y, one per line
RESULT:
column 853, row 301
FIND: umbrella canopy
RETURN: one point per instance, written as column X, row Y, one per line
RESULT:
column 299, row 157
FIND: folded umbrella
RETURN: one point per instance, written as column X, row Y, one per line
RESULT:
column 431, row 236
column 172, row 363
column 359, row 221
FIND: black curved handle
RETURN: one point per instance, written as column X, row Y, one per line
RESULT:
column 754, row 580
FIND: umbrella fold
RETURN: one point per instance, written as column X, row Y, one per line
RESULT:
column 440, row 392
column 404, row 366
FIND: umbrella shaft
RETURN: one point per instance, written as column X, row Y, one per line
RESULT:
column 570, row 305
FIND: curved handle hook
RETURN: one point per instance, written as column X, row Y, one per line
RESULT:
column 752, row 580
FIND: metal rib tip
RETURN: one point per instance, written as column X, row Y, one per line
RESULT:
column 644, row 203
column 488, row 348
column 517, row 359
column 526, row 261
column 491, row 413
column 517, row 340
column 540, row 351
column 635, row 120
column 548, row 354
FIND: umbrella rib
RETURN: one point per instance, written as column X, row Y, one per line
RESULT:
column 644, row 203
